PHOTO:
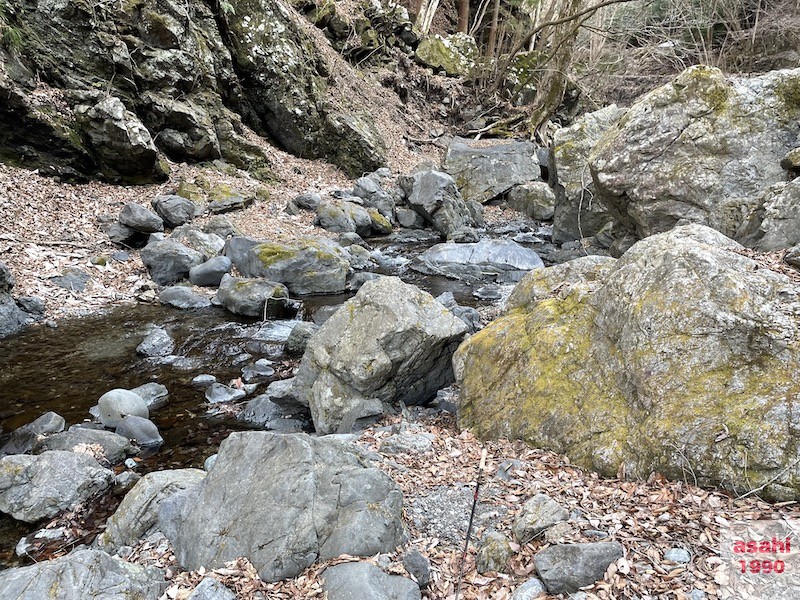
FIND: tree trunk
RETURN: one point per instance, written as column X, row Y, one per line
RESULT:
column 490, row 45
column 463, row 16
column 427, row 10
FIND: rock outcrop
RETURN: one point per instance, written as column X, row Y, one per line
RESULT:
column 392, row 342
column 284, row 501
column 678, row 357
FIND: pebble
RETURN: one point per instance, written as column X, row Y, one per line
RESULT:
column 131, row 464
column 204, row 380
column 678, row 555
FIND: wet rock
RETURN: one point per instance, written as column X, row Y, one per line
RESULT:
column 169, row 261
column 298, row 339
column 210, row 273
column 354, row 509
column 174, row 210
column 475, row 261
column 260, row 369
column 137, row 515
column 203, row 381
column 71, row 279
column 24, row 438
column 494, row 553
column 538, row 514
column 434, row 196
column 252, row 297
column 115, row 448
column 140, row 219
column 141, row 430
column 309, row 265
column 565, row 568
column 535, row 200
column 470, row 316
column 367, row 582
column 156, row 343
column 211, row 589
column 182, row 297
column 39, row 487
column 578, row 213
column 154, row 394
column 117, row 403
column 359, row 279
column 218, row 392
column 83, row 574
column 418, row 566
column 390, row 343
column 482, row 174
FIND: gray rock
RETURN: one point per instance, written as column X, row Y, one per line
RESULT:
column 484, row 173
column 252, row 297
column 350, row 239
column 494, row 553
column 31, row 305
column 71, row 279
column 480, row 260
column 308, row 201
column 218, row 392
column 319, row 498
column 209, row 463
column 117, row 403
column 359, row 257
column 366, row 582
column 282, row 393
column 115, row 447
column 390, row 343
column 418, row 566
column 82, row 574
column 182, row 297
column 137, row 515
column 309, row 265
column 258, row 370
column 203, row 381
column 298, row 339
column 262, row 413
column 344, row 217
column 565, row 568
column 122, row 234
column 578, row 213
column 535, row 200
column 121, row 142
column 140, row 219
column 538, row 514
column 225, row 199
column 174, row 210
column 24, row 438
column 678, row 555
column 208, row 245
column 359, row 279
column 7, row 279
column 156, row 343
column 475, row 209
column 409, row 218
column 774, row 223
column 238, row 248
column 435, row 197
column 221, row 226
column 211, row 589
column 154, row 394
column 792, row 256
column 530, row 590
column 169, row 261
column 405, row 443
column 210, row 273
column 719, row 144
column 39, row 487
column 465, row 235
column 141, row 430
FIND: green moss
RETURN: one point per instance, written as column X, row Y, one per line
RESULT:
column 270, row 253
column 705, row 83
column 788, row 90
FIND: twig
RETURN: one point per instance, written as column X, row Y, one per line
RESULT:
column 771, row 481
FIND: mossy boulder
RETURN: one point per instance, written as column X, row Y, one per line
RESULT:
column 455, row 54
column 680, row 358
column 309, row 265
column 697, row 150
column 253, row 297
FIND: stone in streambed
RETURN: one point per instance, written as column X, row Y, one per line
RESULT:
column 115, row 447
column 182, row 297
column 24, row 438
column 141, row 430
column 116, row 404
column 210, row 273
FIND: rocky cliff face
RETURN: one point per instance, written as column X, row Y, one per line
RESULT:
column 106, row 88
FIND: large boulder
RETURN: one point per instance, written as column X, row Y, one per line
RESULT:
column 774, row 224
column 697, row 150
column 80, row 575
column 391, row 342
column 366, row 582
column 454, row 54
column 39, row 487
column 434, row 196
column 252, row 297
column 680, row 357
column 169, row 261
column 12, row 317
column 577, row 213
column 137, row 515
column 484, row 173
column 478, row 260
column 309, row 265
column 285, row 501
